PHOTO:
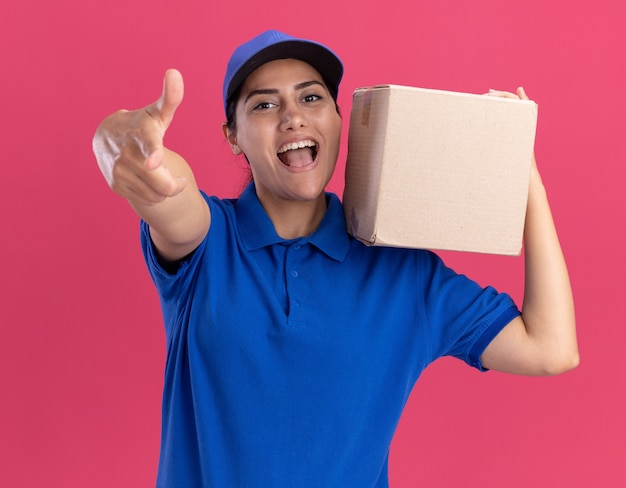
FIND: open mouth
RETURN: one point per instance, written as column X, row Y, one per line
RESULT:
column 298, row 154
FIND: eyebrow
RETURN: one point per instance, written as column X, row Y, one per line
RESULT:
column 274, row 91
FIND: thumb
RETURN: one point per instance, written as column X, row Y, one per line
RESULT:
column 522, row 93
column 162, row 111
column 170, row 99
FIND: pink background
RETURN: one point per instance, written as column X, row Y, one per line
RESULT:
column 81, row 342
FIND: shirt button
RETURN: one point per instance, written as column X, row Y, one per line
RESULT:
column 294, row 274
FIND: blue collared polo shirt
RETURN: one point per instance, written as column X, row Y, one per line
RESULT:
column 289, row 361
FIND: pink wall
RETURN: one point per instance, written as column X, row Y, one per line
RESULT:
column 81, row 345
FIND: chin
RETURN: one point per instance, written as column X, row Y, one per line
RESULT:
column 308, row 191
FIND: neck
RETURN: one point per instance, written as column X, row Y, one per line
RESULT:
column 295, row 218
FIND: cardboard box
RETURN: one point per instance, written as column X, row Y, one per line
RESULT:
column 437, row 169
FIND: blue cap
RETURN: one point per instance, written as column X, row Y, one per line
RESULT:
column 272, row 45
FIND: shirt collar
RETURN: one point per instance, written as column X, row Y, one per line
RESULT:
column 257, row 230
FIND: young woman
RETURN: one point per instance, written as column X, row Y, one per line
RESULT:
column 291, row 347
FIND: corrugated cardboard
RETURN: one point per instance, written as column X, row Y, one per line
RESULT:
column 437, row 169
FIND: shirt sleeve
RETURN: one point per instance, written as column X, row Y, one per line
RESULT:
column 175, row 287
column 463, row 316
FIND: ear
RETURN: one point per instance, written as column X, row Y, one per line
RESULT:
column 231, row 138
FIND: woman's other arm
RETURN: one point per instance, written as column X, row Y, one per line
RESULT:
column 158, row 183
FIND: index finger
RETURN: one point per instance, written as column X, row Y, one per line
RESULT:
column 146, row 137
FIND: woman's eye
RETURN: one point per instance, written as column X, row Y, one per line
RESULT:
column 264, row 106
column 311, row 98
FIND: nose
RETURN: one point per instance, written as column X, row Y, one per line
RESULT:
column 293, row 117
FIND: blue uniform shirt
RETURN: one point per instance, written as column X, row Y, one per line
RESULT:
column 289, row 361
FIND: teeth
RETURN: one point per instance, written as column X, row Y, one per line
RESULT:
column 295, row 145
